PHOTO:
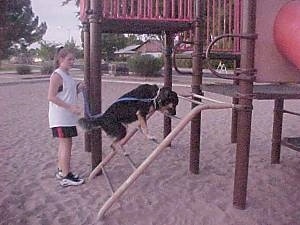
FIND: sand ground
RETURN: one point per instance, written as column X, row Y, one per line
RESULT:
column 167, row 193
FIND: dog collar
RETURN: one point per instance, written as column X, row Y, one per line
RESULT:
column 155, row 103
column 133, row 99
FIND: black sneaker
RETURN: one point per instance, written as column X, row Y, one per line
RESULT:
column 59, row 175
column 70, row 180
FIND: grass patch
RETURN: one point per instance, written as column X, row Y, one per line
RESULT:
column 5, row 65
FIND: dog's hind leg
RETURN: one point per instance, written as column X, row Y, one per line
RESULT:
column 120, row 135
column 119, row 131
column 127, row 137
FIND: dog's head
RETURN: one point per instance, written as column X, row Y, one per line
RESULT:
column 167, row 100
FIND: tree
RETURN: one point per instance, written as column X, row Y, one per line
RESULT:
column 67, row 1
column 47, row 50
column 19, row 26
column 112, row 42
column 71, row 44
column 133, row 39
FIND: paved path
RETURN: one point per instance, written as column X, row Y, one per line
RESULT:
column 10, row 78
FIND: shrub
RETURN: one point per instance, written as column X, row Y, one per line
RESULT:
column 105, row 67
column 122, row 69
column 215, row 62
column 23, row 69
column 145, row 65
column 184, row 63
column 47, row 68
column 118, row 69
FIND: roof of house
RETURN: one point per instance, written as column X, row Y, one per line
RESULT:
column 131, row 49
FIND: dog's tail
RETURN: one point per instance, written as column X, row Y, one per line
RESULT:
column 90, row 123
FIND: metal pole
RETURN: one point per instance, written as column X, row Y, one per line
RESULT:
column 245, row 115
column 196, row 82
column 95, row 78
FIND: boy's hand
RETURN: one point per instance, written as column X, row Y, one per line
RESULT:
column 75, row 109
column 80, row 86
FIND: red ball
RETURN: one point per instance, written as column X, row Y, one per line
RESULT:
column 287, row 32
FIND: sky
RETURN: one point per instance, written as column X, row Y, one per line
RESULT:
column 61, row 21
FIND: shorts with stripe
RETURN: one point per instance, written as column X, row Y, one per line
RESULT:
column 64, row 132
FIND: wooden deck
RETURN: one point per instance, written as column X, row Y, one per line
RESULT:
column 292, row 143
column 260, row 91
column 143, row 26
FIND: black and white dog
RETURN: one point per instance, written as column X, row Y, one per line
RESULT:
column 133, row 106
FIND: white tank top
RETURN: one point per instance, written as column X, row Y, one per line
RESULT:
column 59, row 116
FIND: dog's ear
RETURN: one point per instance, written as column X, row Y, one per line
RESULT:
column 167, row 96
column 174, row 97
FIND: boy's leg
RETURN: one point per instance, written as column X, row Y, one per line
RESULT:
column 64, row 155
column 68, row 178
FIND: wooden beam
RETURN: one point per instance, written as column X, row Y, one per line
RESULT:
column 94, row 83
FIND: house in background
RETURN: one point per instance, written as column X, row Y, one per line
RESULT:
column 127, row 51
column 151, row 47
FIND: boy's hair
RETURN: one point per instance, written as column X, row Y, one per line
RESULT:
column 61, row 52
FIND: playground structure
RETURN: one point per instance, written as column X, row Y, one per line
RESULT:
column 235, row 29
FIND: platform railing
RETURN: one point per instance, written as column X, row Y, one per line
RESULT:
column 222, row 17
column 149, row 9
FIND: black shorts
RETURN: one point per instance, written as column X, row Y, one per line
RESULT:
column 64, row 132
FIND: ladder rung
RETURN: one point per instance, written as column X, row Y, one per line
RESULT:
column 108, row 180
column 132, row 164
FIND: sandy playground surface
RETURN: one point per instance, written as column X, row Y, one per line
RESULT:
column 166, row 194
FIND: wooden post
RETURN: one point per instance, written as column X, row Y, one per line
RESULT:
column 168, row 75
column 277, row 130
column 86, row 70
column 245, row 115
column 167, row 63
column 196, row 82
column 94, row 83
column 87, row 136
column 237, row 25
column 234, row 111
